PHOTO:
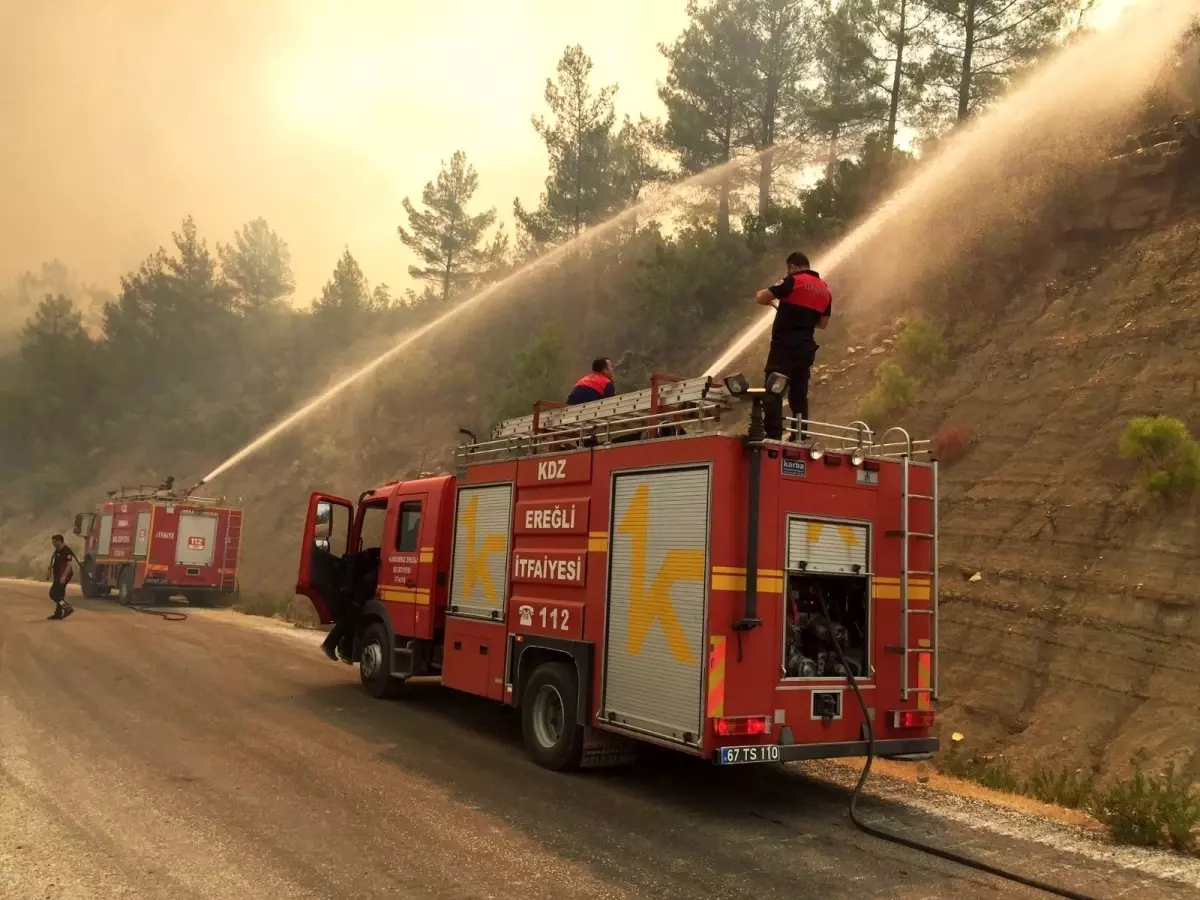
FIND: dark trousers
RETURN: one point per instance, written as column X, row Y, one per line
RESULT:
column 58, row 593
column 796, row 363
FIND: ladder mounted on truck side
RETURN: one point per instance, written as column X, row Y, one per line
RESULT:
column 905, row 535
column 232, row 550
column 668, row 404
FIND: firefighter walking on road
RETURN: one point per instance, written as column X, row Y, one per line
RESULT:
column 803, row 303
column 62, row 569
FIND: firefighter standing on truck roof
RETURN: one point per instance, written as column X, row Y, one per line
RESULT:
column 595, row 385
column 802, row 304
column 62, row 567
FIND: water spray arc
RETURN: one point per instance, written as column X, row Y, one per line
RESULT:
column 1077, row 93
column 667, row 199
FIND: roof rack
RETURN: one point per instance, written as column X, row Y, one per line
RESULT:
column 843, row 438
column 669, row 408
column 153, row 492
column 660, row 411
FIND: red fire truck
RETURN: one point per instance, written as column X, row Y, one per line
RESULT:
column 151, row 543
column 623, row 572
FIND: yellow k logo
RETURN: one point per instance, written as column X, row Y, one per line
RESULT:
column 647, row 605
column 475, row 569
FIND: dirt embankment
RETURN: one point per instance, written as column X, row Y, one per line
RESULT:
column 1079, row 646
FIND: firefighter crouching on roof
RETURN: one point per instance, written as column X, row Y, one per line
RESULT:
column 802, row 304
column 595, row 385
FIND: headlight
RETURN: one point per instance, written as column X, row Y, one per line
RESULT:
column 858, row 456
column 816, row 451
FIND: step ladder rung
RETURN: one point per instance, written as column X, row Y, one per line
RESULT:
column 928, row 497
column 918, row 690
column 920, row 612
column 900, row 532
column 919, row 572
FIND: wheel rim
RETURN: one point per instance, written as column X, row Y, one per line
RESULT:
column 549, row 716
column 371, row 662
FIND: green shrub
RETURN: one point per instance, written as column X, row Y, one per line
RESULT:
column 922, row 348
column 1073, row 790
column 1164, row 448
column 1150, row 810
column 892, row 393
column 1178, row 809
column 1130, row 810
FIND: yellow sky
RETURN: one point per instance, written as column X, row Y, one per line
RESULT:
column 121, row 116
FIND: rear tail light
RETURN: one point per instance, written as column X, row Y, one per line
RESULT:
column 742, row 725
column 912, row 718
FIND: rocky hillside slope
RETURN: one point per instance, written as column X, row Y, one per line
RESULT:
column 1080, row 644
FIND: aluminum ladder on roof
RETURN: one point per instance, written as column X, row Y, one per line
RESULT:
column 906, row 610
column 634, row 406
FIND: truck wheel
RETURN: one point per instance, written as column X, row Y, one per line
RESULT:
column 125, row 586
column 197, row 598
column 375, row 664
column 550, row 717
column 87, row 581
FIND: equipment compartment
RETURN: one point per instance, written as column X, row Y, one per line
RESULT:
column 808, row 648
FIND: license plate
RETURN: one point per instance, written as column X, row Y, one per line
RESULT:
column 732, row 756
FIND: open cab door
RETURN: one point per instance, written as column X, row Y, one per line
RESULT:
column 324, row 553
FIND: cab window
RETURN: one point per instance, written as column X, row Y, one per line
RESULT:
column 370, row 535
column 408, row 532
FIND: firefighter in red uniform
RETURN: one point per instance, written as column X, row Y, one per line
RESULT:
column 595, row 385
column 802, row 304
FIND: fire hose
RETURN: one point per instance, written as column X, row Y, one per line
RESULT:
column 908, row 842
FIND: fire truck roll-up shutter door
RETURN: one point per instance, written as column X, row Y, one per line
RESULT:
column 832, row 548
column 141, row 540
column 655, row 650
column 479, row 586
column 196, row 541
column 104, row 546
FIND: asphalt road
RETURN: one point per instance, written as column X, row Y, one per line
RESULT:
column 222, row 757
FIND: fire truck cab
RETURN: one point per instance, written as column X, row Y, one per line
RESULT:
column 622, row 572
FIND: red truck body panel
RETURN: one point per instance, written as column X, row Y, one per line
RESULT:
column 633, row 558
column 168, row 545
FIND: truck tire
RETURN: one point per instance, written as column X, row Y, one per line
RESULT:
column 87, row 581
column 550, row 717
column 375, row 664
column 125, row 586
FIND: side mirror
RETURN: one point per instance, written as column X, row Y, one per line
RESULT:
column 322, row 544
column 78, row 526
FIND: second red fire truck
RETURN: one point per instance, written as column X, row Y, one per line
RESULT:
column 149, row 543
column 622, row 572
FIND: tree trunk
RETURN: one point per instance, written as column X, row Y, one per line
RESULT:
column 964, row 84
column 897, row 76
column 831, row 165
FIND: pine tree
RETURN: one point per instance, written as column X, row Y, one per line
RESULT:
column 345, row 300
column 709, row 82
column 259, row 266
column 980, row 44
column 579, row 189
column 847, row 102
column 444, row 236
column 783, row 56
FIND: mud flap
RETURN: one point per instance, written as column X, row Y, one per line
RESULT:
column 602, row 749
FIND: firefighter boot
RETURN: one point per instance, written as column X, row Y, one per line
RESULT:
column 67, row 609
